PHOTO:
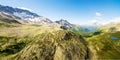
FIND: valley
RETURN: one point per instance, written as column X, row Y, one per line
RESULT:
column 40, row 42
column 29, row 36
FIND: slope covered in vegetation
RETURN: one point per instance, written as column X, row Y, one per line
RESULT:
column 105, row 45
column 36, row 42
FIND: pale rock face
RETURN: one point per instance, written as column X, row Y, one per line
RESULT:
column 39, row 20
column 7, row 15
column 23, row 15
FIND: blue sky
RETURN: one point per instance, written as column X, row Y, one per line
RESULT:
column 75, row 11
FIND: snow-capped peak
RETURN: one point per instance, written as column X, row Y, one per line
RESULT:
column 39, row 20
column 24, row 14
column 19, row 12
column 24, row 8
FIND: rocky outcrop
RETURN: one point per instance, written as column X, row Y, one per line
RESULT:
column 59, row 45
column 65, row 24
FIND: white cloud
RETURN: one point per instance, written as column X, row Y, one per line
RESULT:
column 98, row 14
column 93, row 23
column 112, row 21
column 115, row 20
column 24, row 8
column 101, row 22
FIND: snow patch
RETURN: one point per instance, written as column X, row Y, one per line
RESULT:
column 23, row 15
column 24, row 8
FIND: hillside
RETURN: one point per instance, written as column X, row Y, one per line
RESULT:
column 32, row 42
column 37, row 38
column 105, row 45
column 25, row 35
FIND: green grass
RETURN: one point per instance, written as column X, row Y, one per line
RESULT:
column 106, row 47
column 85, row 32
column 53, row 45
column 27, row 42
column 5, row 20
column 45, row 45
column 12, row 49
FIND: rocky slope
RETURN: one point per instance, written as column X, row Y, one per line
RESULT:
column 65, row 24
column 23, row 15
column 59, row 45
column 53, row 45
column 84, row 30
column 32, row 42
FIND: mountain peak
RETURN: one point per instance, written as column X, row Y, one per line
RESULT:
column 65, row 24
column 21, row 13
column 24, row 14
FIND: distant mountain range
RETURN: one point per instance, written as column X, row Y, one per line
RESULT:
column 25, row 35
column 22, row 14
column 26, row 16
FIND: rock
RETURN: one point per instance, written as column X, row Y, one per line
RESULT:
column 59, row 45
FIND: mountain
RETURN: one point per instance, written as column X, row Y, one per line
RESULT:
column 42, row 39
column 7, row 20
column 92, row 25
column 9, row 16
column 88, row 27
column 33, row 42
column 105, row 45
column 40, row 20
column 111, row 27
column 65, row 24
column 86, row 30
column 24, row 15
column 59, row 45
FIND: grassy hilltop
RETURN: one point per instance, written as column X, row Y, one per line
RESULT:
column 39, row 42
